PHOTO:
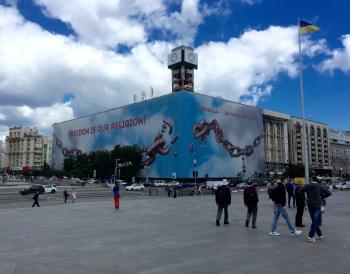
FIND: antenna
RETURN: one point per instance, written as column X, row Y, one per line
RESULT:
column 135, row 98
column 152, row 92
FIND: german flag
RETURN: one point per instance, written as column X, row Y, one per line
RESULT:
column 306, row 27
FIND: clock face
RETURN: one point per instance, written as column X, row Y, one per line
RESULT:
column 173, row 57
column 191, row 57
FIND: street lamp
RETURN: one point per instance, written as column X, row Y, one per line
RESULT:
column 147, row 157
column 243, row 168
column 195, row 171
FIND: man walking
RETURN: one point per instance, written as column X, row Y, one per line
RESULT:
column 223, row 200
column 279, row 198
column 315, row 193
column 36, row 199
column 251, row 199
column 116, row 195
column 300, row 202
column 291, row 192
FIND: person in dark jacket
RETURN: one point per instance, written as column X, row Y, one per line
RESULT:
column 300, row 202
column 223, row 200
column 65, row 194
column 251, row 199
column 36, row 199
column 116, row 195
column 290, row 187
column 314, row 194
column 278, row 195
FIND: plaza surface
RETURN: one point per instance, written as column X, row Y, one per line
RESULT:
column 167, row 235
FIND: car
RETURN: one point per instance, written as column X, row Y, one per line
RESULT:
column 50, row 188
column 159, row 183
column 135, row 187
column 345, row 185
column 242, row 186
column 185, row 185
column 173, row 183
column 33, row 189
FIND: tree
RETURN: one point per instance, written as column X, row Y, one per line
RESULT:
column 127, row 154
column 102, row 163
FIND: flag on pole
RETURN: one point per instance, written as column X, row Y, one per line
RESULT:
column 306, row 27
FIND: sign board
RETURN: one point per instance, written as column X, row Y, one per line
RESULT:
column 173, row 175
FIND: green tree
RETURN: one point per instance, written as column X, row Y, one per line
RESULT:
column 127, row 154
column 102, row 163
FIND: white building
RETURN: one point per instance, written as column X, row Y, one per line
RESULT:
column 26, row 149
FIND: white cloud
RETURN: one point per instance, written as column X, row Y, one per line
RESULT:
column 37, row 68
column 340, row 58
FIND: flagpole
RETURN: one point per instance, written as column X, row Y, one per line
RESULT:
column 306, row 161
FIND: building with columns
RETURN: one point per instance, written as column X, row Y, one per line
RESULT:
column 317, row 136
column 276, row 141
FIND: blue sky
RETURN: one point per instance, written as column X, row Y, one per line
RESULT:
column 57, row 59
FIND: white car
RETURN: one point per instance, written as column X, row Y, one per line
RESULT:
column 173, row 183
column 159, row 183
column 50, row 188
column 345, row 185
column 135, row 187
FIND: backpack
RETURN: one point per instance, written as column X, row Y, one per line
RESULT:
column 252, row 198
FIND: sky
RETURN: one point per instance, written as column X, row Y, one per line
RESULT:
column 65, row 59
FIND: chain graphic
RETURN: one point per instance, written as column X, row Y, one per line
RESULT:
column 160, row 145
column 203, row 129
column 65, row 151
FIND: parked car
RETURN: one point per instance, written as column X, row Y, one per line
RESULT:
column 345, row 185
column 173, row 183
column 33, row 189
column 50, row 188
column 159, row 183
column 242, row 186
column 135, row 187
column 185, row 185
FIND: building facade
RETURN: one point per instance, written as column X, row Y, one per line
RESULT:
column 276, row 141
column 340, row 152
column 177, row 134
column 317, row 136
column 26, row 149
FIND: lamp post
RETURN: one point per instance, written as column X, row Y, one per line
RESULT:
column 147, row 157
column 195, row 171
column 116, row 175
column 243, row 168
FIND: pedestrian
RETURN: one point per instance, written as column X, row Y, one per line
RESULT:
column 74, row 195
column 278, row 195
column 65, row 194
column 116, row 195
column 200, row 191
column 300, row 203
column 291, row 192
column 314, row 194
column 168, row 190
column 251, row 199
column 36, row 199
column 223, row 200
column 174, row 192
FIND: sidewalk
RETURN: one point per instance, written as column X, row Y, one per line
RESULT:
column 167, row 235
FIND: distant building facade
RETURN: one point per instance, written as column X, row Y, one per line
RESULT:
column 26, row 149
column 317, row 136
column 340, row 152
column 276, row 141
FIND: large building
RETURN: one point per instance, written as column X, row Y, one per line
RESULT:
column 340, row 152
column 317, row 136
column 177, row 133
column 26, row 149
column 276, row 141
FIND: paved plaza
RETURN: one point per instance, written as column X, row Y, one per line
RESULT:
column 167, row 235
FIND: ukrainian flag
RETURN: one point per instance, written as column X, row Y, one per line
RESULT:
column 306, row 27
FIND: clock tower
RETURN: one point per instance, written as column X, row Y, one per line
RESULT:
column 182, row 61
